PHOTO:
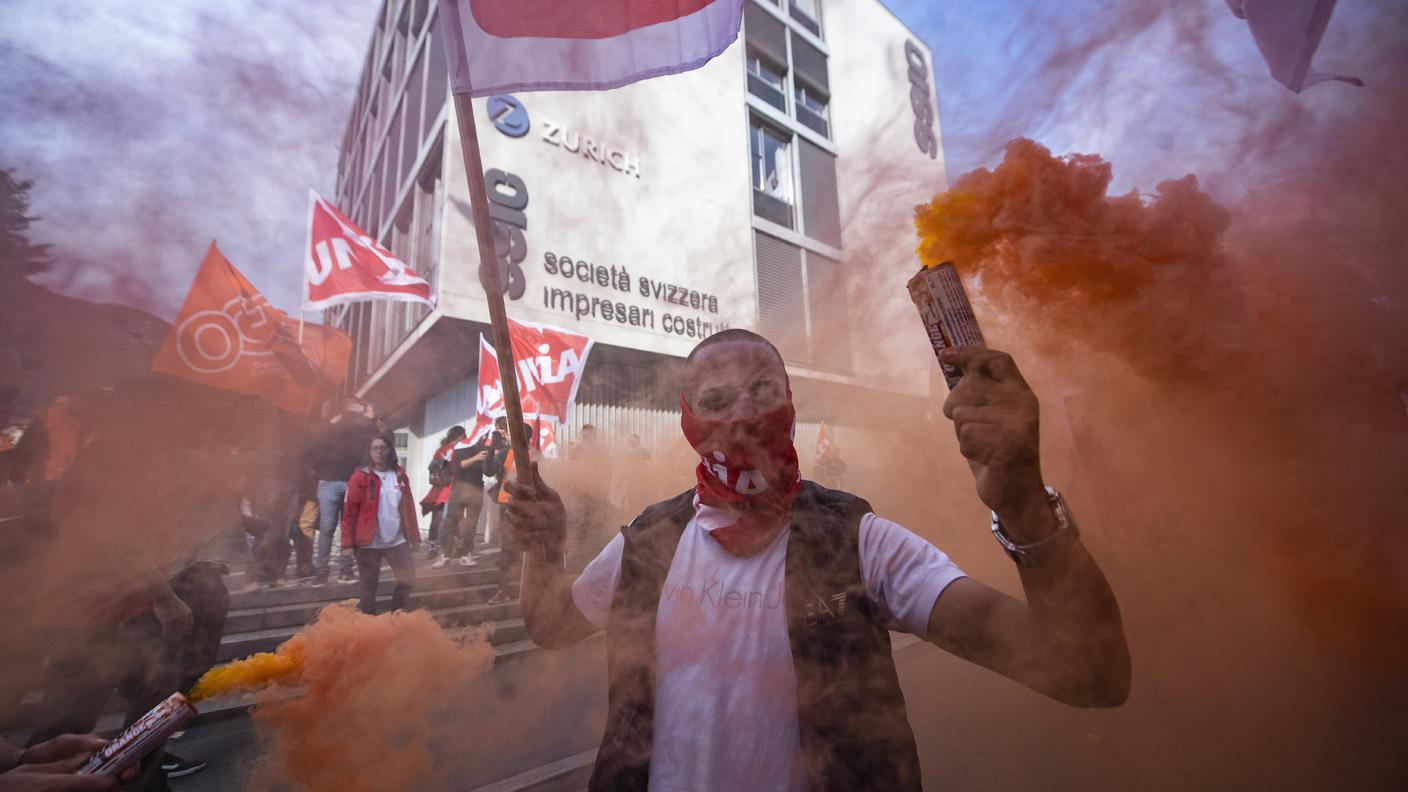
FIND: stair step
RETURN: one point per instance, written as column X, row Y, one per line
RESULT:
column 427, row 578
column 507, row 628
column 243, row 620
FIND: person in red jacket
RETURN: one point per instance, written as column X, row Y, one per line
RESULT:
column 379, row 524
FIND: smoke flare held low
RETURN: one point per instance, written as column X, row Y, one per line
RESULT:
column 371, row 686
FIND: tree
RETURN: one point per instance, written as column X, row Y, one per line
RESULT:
column 18, row 256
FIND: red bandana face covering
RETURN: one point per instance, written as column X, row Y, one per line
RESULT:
column 748, row 469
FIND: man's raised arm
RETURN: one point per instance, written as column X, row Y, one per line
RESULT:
column 536, row 515
column 1066, row 640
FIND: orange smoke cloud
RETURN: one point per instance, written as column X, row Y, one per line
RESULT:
column 1266, row 362
column 371, row 685
column 1146, row 280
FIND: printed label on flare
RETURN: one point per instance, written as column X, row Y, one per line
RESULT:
column 947, row 315
column 142, row 737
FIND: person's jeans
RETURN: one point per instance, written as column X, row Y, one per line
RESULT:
column 331, row 494
column 461, row 519
column 403, row 566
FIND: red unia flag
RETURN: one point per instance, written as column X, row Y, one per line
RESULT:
column 550, row 364
column 499, row 46
column 823, row 443
column 343, row 264
column 228, row 336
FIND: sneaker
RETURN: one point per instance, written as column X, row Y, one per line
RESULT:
column 320, row 579
column 347, row 577
column 175, row 766
column 305, row 570
column 440, row 562
column 466, row 560
column 499, row 598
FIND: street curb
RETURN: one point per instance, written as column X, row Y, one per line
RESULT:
column 534, row 779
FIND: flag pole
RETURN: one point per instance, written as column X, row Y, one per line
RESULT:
column 493, row 285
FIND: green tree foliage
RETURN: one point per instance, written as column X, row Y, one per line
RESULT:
column 18, row 256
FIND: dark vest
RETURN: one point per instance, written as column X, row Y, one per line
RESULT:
column 855, row 735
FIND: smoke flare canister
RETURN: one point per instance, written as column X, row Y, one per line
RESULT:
column 947, row 315
column 142, row 737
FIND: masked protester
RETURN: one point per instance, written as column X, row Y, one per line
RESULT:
column 747, row 618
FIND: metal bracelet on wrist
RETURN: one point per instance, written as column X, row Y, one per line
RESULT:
column 1032, row 552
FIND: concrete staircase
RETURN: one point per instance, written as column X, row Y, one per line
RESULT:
column 456, row 596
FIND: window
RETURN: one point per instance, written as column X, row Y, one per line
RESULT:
column 821, row 210
column 395, row 167
column 767, row 80
column 827, row 301
column 772, row 173
column 806, row 317
column 410, row 143
column 781, row 310
column 437, row 77
column 811, row 110
column 813, row 86
column 808, row 14
column 427, row 198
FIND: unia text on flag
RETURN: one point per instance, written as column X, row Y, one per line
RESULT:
column 498, row 46
column 228, row 336
column 344, row 264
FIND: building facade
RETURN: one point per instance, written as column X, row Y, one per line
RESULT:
column 772, row 189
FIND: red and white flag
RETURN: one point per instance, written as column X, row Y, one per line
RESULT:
column 489, row 389
column 500, row 46
column 546, row 440
column 823, row 443
column 344, row 264
column 550, row 365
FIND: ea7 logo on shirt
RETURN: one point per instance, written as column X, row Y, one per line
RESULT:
column 827, row 609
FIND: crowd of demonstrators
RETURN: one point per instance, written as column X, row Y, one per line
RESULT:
column 470, row 464
column 758, row 598
column 379, row 524
column 337, row 454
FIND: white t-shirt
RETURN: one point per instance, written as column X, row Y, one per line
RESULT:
column 725, row 688
column 388, row 512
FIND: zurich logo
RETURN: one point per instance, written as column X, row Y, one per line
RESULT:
column 509, row 115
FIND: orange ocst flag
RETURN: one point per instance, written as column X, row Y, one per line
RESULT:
column 228, row 336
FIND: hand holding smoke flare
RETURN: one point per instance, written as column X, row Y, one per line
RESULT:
column 994, row 411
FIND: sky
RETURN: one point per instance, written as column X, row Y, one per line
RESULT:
column 151, row 128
